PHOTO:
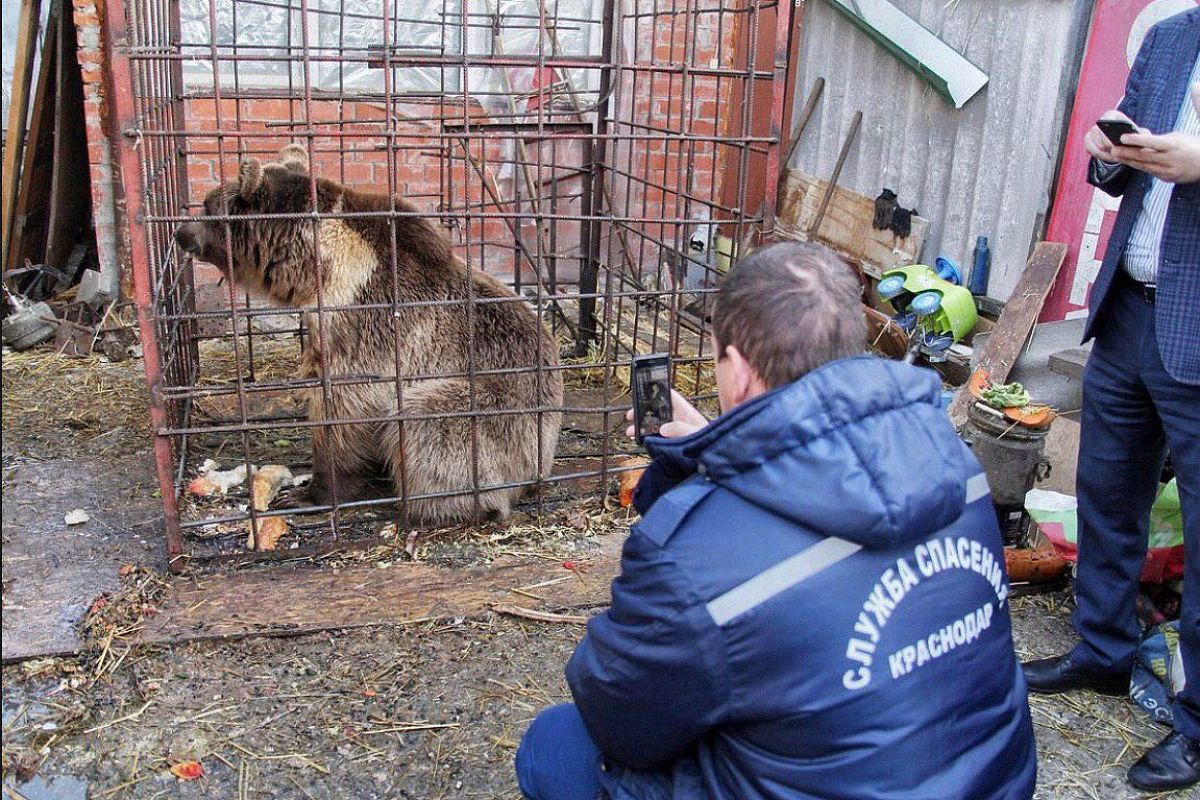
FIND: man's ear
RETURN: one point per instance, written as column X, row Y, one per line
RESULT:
column 249, row 177
column 295, row 158
column 745, row 381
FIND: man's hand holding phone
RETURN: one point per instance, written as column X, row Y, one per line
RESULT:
column 1173, row 157
column 1099, row 144
column 685, row 419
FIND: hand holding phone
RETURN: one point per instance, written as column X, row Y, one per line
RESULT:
column 651, row 385
column 685, row 419
column 1114, row 129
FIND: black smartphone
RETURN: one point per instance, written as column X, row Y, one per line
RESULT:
column 1114, row 129
column 651, row 385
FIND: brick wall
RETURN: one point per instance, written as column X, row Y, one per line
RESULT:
column 672, row 178
column 430, row 171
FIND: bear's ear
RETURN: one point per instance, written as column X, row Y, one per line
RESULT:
column 295, row 158
column 249, row 177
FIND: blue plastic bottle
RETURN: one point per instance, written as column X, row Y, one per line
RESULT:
column 982, row 267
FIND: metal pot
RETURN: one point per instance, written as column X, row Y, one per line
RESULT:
column 1013, row 458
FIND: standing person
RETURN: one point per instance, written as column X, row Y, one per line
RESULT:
column 814, row 602
column 1141, row 389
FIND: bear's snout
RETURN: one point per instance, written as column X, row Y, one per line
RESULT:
column 188, row 237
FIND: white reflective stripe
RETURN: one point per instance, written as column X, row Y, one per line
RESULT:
column 977, row 488
column 780, row 578
column 800, row 567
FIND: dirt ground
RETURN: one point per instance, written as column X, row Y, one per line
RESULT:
column 428, row 710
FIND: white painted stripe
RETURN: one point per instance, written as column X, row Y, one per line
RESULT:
column 977, row 488
column 780, row 578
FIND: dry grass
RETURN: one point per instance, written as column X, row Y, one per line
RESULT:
column 272, row 359
column 74, row 405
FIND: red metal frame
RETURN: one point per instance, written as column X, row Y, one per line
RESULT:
column 120, row 85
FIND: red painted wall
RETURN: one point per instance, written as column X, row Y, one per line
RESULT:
column 1083, row 216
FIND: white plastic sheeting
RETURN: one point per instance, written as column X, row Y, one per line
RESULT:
column 341, row 34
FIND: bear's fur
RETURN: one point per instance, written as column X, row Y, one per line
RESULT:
column 426, row 345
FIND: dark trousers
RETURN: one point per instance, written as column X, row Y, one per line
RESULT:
column 1132, row 412
column 557, row 759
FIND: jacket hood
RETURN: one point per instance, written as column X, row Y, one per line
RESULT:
column 859, row 448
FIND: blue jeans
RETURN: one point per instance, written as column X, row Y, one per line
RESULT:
column 1132, row 411
column 558, row 760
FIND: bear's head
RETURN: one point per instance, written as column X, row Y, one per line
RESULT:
column 255, row 253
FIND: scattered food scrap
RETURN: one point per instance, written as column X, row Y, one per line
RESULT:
column 267, row 482
column 1011, row 399
column 216, row 482
column 1031, row 416
column 1005, row 395
column 628, row 480
column 188, row 770
column 270, row 531
column 1034, row 566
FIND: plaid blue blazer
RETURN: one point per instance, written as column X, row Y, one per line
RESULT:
column 1154, row 93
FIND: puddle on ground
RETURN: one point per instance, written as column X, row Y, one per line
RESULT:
column 61, row 787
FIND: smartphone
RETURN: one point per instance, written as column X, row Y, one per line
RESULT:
column 651, row 385
column 1114, row 129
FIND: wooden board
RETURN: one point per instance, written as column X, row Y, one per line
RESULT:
column 846, row 226
column 649, row 326
column 289, row 602
column 1062, row 451
column 18, row 111
column 1003, row 346
column 52, row 571
column 27, row 236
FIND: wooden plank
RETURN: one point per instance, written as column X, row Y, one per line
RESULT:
column 27, row 236
column 645, row 327
column 289, row 602
column 18, row 112
column 843, row 154
column 846, row 226
column 1000, row 352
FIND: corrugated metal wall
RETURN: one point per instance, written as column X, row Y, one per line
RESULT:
column 986, row 169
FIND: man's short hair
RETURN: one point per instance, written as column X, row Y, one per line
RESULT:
column 789, row 308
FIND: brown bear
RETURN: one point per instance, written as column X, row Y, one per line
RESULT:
column 443, row 448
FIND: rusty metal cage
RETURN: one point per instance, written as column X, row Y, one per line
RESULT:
column 605, row 159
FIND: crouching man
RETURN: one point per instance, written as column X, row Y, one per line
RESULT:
column 814, row 604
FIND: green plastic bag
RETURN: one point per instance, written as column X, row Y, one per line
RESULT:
column 1055, row 514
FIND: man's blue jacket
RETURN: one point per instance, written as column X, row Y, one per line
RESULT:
column 1157, row 87
column 813, row 606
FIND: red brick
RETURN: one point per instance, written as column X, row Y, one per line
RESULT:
column 200, row 172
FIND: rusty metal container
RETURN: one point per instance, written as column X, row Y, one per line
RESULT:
column 1013, row 457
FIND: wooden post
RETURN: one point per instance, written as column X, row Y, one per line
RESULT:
column 18, row 112
column 1004, row 345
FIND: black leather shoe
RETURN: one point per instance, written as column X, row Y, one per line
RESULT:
column 1174, row 763
column 1061, row 674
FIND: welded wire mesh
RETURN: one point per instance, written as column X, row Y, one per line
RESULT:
column 603, row 159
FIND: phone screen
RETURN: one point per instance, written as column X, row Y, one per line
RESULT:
column 652, row 394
